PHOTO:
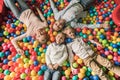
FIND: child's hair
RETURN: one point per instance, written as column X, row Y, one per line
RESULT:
column 62, row 34
column 68, row 27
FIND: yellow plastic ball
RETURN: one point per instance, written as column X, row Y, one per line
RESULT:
column 18, row 32
column 54, row 33
column 41, row 49
column 81, row 75
column 110, row 57
column 43, row 55
column 39, row 58
column 33, row 73
column 7, row 77
column 67, row 72
column 26, row 65
column 82, row 70
column 43, row 60
column 110, row 73
column 12, row 74
column 30, row 61
column 79, row 61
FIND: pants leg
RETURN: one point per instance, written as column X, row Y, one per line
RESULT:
column 22, row 4
column 94, row 66
column 86, row 3
column 104, row 62
column 56, row 75
column 47, row 75
column 11, row 4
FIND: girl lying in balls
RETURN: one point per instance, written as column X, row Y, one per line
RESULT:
column 35, row 26
column 85, row 52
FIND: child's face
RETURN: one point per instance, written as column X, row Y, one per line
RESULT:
column 70, row 33
column 41, row 36
column 58, row 25
column 60, row 38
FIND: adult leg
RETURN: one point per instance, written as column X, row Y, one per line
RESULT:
column 47, row 75
column 95, row 68
column 11, row 4
column 22, row 4
column 104, row 62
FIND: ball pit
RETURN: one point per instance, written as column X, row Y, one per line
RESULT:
column 32, row 65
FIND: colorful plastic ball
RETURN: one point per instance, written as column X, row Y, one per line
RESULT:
column 33, row 73
column 75, row 65
column 75, row 77
column 7, row 77
column 2, row 54
column 23, row 75
column 36, row 62
column 5, row 33
column 6, row 72
column 1, row 70
column 40, row 78
column 81, row 75
column 5, row 61
column 67, row 72
column 96, row 77
column 43, row 67
column 64, row 78
column 86, row 78
column 40, row 72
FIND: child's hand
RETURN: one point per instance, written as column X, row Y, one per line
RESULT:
column 50, row 66
column 105, row 25
column 99, row 45
column 20, row 51
column 72, row 69
column 55, row 66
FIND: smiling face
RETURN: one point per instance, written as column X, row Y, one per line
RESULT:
column 69, row 32
column 60, row 38
column 41, row 36
column 58, row 25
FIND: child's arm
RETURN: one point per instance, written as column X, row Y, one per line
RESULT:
column 58, row 13
column 94, row 42
column 71, row 56
column 14, row 42
column 41, row 16
column 54, row 8
column 47, row 57
column 64, row 57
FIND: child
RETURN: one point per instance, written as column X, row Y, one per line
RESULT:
column 71, row 14
column 56, row 54
column 85, row 52
column 35, row 26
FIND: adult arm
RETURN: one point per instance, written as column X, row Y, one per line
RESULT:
column 64, row 57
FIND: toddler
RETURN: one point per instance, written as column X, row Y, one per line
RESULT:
column 55, row 56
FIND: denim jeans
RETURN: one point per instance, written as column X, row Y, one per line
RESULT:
column 52, row 74
column 11, row 5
